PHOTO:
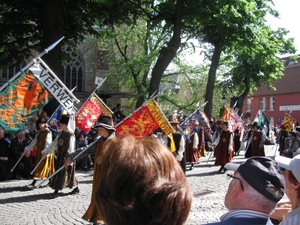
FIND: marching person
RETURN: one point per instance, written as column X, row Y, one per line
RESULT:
column 257, row 142
column 224, row 147
column 42, row 141
column 179, row 145
column 106, row 131
column 191, row 150
column 65, row 144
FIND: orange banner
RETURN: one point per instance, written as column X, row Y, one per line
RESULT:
column 288, row 122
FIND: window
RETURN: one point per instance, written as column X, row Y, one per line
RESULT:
column 73, row 69
column 248, row 105
column 271, row 104
column 262, row 104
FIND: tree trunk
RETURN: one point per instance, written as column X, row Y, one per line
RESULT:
column 212, row 78
column 169, row 52
column 51, row 20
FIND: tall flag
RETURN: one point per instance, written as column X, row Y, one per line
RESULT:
column 144, row 121
column 20, row 100
column 262, row 121
column 193, row 124
column 88, row 114
column 288, row 122
column 234, row 119
column 53, row 122
column 226, row 114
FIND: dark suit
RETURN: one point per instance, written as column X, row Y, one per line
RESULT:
column 17, row 148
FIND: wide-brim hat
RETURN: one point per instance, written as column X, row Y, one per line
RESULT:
column 105, row 122
column 174, row 122
column 225, row 123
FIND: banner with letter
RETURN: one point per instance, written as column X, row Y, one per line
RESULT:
column 144, row 121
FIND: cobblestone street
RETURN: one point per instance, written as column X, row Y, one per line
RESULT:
column 20, row 205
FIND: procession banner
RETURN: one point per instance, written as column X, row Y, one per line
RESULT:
column 20, row 100
column 194, row 123
column 54, row 85
column 262, row 121
column 88, row 114
column 144, row 121
column 288, row 122
column 226, row 114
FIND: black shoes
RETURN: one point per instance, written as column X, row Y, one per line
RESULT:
column 54, row 195
column 74, row 191
column 222, row 169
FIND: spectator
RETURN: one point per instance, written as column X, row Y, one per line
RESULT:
column 294, row 145
column 280, row 139
column 6, row 162
column 142, row 184
column 253, row 193
column 291, row 173
column 83, row 142
column 18, row 144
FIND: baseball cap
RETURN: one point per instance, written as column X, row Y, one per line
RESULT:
column 263, row 174
column 290, row 164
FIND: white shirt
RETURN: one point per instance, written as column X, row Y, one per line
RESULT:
column 292, row 217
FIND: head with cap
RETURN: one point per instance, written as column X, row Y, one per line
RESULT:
column 258, row 185
column 42, row 122
column 291, row 172
column 282, row 127
column 104, row 126
column 63, row 122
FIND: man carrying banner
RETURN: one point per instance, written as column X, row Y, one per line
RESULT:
column 106, row 131
column 42, row 141
column 64, row 145
column 224, row 147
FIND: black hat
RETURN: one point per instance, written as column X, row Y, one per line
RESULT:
column 105, row 122
column 225, row 123
column 255, row 124
column 263, row 174
column 64, row 119
column 41, row 120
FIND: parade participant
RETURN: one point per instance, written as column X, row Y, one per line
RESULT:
column 224, row 147
column 280, row 139
column 142, row 184
column 236, row 139
column 106, row 131
column 64, row 145
column 179, row 145
column 257, row 142
column 294, row 145
column 256, row 187
column 191, row 150
column 17, row 147
column 218, row 131
column 248, row 139
column 291, row 173
column 42, row 141
column 6, row 161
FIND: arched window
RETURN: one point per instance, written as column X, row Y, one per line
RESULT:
column 73, row 69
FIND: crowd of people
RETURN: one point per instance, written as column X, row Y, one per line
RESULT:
column 143, row 181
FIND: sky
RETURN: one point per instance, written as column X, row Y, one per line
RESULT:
column 289, row 11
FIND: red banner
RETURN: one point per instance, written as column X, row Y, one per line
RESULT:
column 88, row 114
column 143, row 122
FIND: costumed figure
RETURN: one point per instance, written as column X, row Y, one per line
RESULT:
column 106, row 131
column 191, row 150
column 42, row 141
column 64, row 145
column 218, row 131
column 236, row 139
column 179, row 145
column 280, row 139
column 258, row 140
column 248, row 139
column 224, row 147
column 201, row 142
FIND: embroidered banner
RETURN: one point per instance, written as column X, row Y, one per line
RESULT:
column 20, row 100
column 88, row 114
column 144, row 121
column 288, row 122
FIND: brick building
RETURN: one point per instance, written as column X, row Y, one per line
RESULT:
column 274, row 103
